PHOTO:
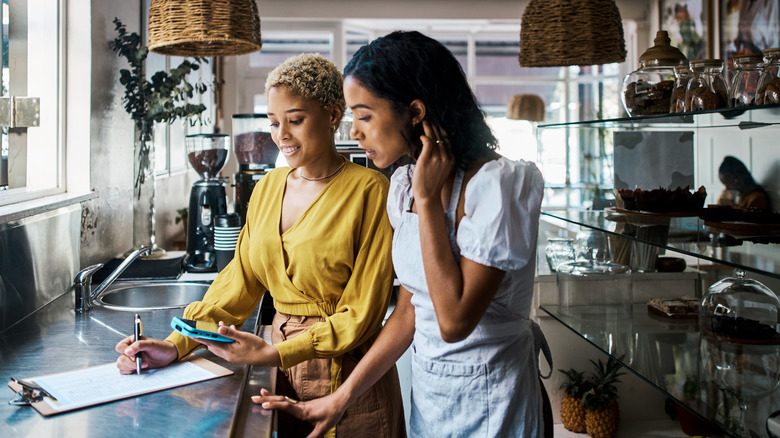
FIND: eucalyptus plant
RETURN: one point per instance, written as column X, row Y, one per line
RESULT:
column 163, row 98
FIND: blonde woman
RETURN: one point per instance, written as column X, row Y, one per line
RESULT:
column 318, row 239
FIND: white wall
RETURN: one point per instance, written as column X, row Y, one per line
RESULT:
column 108, row 131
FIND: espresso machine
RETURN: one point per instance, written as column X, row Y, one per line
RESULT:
column 207, row 153
column 256, row 154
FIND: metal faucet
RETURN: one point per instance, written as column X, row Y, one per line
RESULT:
column 83, row 281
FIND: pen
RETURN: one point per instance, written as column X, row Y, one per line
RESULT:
column 138, row 331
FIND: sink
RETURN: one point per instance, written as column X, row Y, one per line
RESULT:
column 133, row 296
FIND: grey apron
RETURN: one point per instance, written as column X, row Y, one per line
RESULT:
column 484, row 386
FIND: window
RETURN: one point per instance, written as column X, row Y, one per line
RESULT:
column 32, row 157
column 4, row 92
column 488, row 53
column 489, row 56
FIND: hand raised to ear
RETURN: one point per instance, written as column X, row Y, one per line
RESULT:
column 434, row 165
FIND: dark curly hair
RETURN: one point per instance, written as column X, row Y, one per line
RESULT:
column 403, row 66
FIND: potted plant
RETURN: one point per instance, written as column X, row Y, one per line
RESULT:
column 161, row 99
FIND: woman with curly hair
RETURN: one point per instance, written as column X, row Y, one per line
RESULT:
column 316, row 238
column 465, row 228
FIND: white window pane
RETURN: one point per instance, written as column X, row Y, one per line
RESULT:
column 4, row 92
column 43, row 146
column 516, row 138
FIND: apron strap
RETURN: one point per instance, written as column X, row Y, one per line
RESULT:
column 540, row 344
column 451, row 214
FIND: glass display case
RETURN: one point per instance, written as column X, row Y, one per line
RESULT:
column 665, row 151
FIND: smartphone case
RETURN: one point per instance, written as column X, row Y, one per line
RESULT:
column 193, row 332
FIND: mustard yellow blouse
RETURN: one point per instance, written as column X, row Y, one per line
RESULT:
column 335, row 262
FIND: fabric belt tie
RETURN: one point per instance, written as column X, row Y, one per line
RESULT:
column 335, row 362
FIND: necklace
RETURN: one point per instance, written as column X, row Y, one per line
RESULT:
column 323, row 177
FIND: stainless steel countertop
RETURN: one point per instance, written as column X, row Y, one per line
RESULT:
column 56, row 339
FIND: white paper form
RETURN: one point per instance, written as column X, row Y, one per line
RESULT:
column 101, row 384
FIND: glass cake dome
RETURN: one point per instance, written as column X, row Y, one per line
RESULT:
column 740, row 344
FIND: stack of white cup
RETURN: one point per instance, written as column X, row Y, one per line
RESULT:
column 227, row 227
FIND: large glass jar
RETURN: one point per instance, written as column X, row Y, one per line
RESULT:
column 648, row 90
column 559, row 250
column 682, row 74
column 739, row 343
column 594, row 290
column 745, row 82
column 769, row 82
column 707, row 89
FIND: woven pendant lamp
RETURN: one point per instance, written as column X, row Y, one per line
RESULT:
column 199, row 28
column 557, row 33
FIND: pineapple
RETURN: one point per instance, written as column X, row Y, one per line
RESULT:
column 602, row 413
column 572, row 412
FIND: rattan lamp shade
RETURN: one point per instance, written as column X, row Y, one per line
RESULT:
column 557, row 33
column 526, row 107
column 204, row 27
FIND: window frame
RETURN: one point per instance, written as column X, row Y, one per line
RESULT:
column 24, row 145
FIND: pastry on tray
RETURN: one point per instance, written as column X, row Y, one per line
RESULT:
column 674, row 307
column 660, row 200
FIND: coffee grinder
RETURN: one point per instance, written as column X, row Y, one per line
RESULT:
column 207, row 153
column 256, row 154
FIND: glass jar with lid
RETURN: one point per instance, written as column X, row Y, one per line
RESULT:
column 682, row 74
column 594, row 290
column 739, row 319
column 744, row 85
column 648, row 90
column 769, row 82
column 559, row 250
column 707, row 89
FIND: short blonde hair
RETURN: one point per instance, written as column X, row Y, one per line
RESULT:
column 310, row 76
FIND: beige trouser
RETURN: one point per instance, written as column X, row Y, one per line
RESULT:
column 377, row 413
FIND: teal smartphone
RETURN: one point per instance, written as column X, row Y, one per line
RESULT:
column 198, row 329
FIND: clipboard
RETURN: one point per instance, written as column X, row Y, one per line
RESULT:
column 86, row 387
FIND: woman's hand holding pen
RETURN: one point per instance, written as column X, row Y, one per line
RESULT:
column 156, row 353
column 248, row 348
column 434, row 165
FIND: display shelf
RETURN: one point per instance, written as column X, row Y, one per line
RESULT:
column 741, row 118
column 685, row 235
column 669, row 151
column 665, row 353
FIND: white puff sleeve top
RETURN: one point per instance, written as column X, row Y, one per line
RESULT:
column 499, row 229
column 502, row 207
